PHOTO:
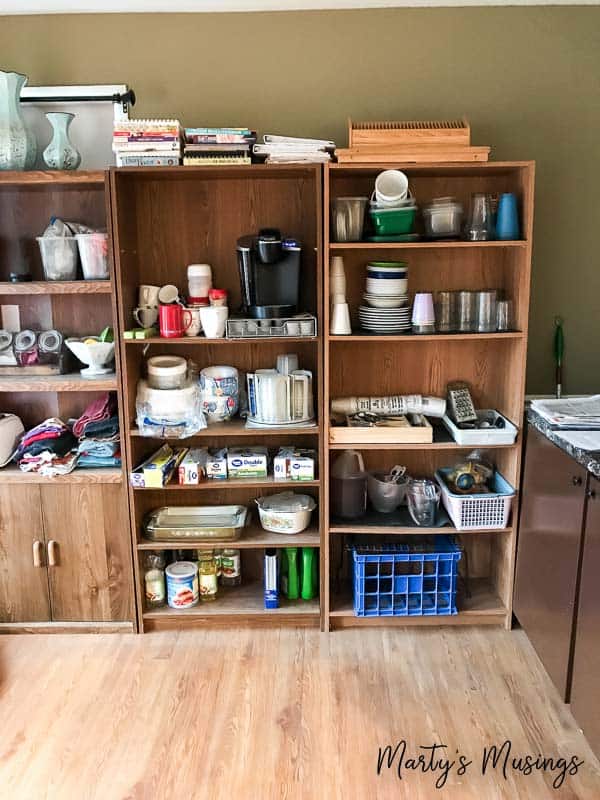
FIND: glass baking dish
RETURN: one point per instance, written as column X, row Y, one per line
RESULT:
column 176, row 523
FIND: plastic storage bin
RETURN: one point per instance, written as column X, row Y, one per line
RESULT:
column 406, row 580
column 481, row 511
column 479, row 437
column 393, row 221
column 59, row 257
column 93, row 252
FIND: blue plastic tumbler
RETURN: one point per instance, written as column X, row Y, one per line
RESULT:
column 507, row 219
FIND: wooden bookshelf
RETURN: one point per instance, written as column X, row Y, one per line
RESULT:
column 158, row 232
column 493, row 364
column 83, row 512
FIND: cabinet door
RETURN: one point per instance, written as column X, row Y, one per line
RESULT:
column 550, row 528
column 585, row 690
column 23, row 586
column 87, row 535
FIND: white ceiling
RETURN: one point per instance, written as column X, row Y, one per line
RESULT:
column 139, row 6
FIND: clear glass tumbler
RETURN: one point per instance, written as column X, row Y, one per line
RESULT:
column 465, row 312
column 423, row 498
column 486, row 303
column 504, row 315
column 480, row 223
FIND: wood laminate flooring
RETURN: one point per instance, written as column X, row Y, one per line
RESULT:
column 261, row 714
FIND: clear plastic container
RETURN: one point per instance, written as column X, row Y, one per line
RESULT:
column 167, row 372
column 59, row 257
column 93, row 252
column 199, row 280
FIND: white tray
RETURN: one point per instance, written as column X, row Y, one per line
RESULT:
column 483, row 436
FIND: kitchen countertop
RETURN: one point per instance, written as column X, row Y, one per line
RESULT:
column 588, row 459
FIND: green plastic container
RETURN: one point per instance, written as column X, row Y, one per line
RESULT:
column 393, row 221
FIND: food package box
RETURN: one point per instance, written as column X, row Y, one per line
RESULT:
column 192, row 468
column 295, row 464
column 216, row 465
column 247, row 462
column 155, row 472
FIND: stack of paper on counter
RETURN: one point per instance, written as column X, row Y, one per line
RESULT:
column 294, row 150
column 577, row 413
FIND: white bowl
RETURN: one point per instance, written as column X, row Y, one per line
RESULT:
column 96, row 355
column 376, row 286
column 385, row 301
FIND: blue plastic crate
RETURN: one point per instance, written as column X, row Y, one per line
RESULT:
column 404, row 580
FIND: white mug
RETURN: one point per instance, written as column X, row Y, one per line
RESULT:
column 213, row 320
column 146, row 316
column 148, row 295
column 195, row 325
column 168, row 294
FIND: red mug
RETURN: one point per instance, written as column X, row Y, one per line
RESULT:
column 172, row 320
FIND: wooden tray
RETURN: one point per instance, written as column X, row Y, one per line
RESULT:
column 414, row 434
column 412, row 154
column 448, row 133
column 34, row 369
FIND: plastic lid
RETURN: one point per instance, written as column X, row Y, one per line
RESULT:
column 167, row 365
column 287, row 501
column 217, row 294
column 198, row 301
column 199, row 270
column 181, row 569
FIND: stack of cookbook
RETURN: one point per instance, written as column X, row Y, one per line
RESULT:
column 208, row 146
column 147, row 142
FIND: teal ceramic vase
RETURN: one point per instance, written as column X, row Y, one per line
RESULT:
column 60, row 153
column 18, row 148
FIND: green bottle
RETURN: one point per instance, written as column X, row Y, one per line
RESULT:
column 289, row 574
column 308, row 573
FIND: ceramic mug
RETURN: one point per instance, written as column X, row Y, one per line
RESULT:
column 168, row 294
column 174, row 321
column 195, row 325
column 146, row 315
column 213, row 319
column 219, row 387
column 148, row 295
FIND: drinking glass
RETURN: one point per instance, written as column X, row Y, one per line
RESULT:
column 486, row 302
column 445, row 312
column 479, row 226
column 504, row 315
column 423, row 498
column 465, row 311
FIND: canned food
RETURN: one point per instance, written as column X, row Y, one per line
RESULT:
column 182, row 584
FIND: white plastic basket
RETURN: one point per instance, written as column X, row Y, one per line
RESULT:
column 482, row 511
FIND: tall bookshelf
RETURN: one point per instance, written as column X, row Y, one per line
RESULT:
column 163, row 220
column 492, row 363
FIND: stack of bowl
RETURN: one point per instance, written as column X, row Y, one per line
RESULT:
column 386, row 299
column 392, row 208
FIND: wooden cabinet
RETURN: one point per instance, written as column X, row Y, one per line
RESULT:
column 89, row 564
column 553, row 503
column 23, row 585
column 585, row 690
column 63, row 554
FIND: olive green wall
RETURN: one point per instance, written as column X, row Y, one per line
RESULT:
column 527, row 78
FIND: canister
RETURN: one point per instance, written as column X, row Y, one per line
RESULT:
column 182, row 584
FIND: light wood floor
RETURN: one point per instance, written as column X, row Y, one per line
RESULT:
column 261, row 714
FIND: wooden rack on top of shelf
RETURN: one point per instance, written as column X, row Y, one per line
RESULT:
column 163, row 220
column 80, row 515
column 493, row 364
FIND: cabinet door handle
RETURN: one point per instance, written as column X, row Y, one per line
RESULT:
column 576, row 480
column 591, row 493
column 38, row 560
column 52, row 553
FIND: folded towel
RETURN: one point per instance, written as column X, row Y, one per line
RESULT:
column 102, row 408
column 49, row 464
column 98, row 447
column 102, row 429
column 89, row 461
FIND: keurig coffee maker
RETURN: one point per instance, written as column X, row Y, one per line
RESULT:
column 269, row 274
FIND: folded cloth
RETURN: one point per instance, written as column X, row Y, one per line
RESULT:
column 98, row 447
column 102, row 408
column 98, row 461
column 59, row 446
column 49, row 464
column 102, row 429
column 49, row 428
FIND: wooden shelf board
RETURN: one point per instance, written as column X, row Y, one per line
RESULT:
column 57, row 383
column 239, row 602
column 237, row 427
column 445, row 245
column 343, row 528
column 198, row 340
column 443, row 168
column 435, row 337
column 483, row 607
column 52, row 177
column 253, row 537
column 13, row 474
column 56, row 287
column 231, row 483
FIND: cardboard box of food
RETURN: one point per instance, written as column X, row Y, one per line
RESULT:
column 294, row 464
column 216, row 465
column 156, row 471
column 247, row 462
column 192, row 468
